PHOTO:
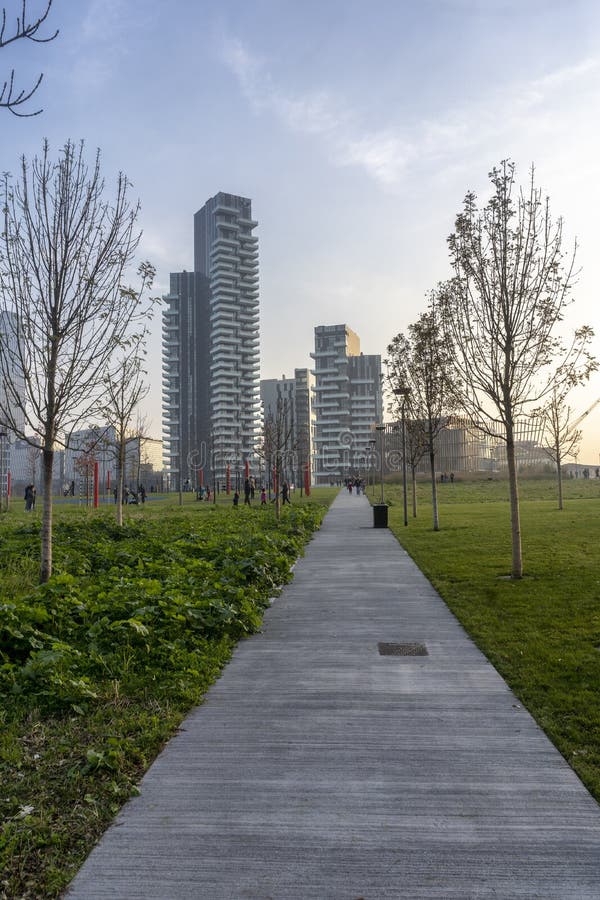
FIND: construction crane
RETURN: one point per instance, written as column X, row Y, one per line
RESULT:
column 586, row 413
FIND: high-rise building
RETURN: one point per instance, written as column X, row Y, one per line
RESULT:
column 289, row 400
column 348, row 403
column 211, row 346
column 305, row 420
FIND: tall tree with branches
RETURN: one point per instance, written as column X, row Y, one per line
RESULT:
column 23, row 27
column 421, row 376
column 504, row 309
column 65, row 251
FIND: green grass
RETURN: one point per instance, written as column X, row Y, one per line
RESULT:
column 99, row 667
column 542, row 632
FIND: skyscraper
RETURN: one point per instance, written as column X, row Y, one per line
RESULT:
column 348, row 402
column 211, row 346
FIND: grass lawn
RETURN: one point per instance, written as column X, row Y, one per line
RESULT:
column 542, row 632
column 99, row 667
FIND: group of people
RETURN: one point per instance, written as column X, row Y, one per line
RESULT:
column 355, row 484
column 250, row 491
column 130, row 496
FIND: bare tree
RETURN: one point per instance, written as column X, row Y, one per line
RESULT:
column 275, row 447
column 415, row 440
column 125, row 387
column 561, row 435
column 64, row 253
column 511, row 288
column 23, row 28
column 420, row 373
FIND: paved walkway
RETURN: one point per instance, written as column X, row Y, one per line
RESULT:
column 318, row 768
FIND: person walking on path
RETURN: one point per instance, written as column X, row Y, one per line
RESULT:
column 263, row 496
column 247, row 490
column 29, row 498
column 285, row 493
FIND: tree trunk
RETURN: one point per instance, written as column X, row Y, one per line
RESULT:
column 120, row 480
column 515, row 515
column 559, row 477
column 414, row 490
column 276, row 488
column 46, row 548
column 434, row 500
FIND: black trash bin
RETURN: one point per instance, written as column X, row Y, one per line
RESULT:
column 380, row 515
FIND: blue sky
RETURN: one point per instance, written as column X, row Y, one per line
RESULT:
column 356, row 130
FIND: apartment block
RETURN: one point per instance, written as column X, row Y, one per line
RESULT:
column 211, row 347
column 290, row 401
column 347, row 404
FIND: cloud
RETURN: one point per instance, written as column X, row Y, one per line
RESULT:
column 315, row 113
column 383, row 155
column 503, row 115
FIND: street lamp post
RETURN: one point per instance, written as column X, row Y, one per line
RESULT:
column 403, row 392
column 372, row 443
column 405, row 505
column 380, row 510
column 381, row 430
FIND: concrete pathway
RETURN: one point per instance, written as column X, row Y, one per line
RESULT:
column 318, row 768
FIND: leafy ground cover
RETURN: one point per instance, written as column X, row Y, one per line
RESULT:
column 99, row 666
column 542, row 633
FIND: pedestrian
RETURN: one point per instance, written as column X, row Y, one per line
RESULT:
column 236, row 498
column 285, row 493
column 252, row 488
column 263, row 497
column 142, row 492
column 247, row 490
column 29, row 498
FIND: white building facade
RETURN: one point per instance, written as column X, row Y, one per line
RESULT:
column 211, row 347
column 348, row 403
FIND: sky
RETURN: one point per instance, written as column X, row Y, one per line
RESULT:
column 356, row 129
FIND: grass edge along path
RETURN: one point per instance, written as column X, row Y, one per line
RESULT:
column 542, row 633
column 98, row 671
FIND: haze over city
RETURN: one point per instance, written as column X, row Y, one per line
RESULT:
column 356, row 132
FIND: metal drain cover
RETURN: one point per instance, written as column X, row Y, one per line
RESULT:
column 402, row 649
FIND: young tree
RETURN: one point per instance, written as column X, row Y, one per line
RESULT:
column 416, row 447
column 511, row 288
column 420, row 375
column 125, row 387
column 65, row 250
column 23, row 29
column 276, row 446
column 561, row 435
